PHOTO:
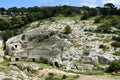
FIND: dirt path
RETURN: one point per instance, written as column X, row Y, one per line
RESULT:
column 96, row 77
column 58, row 73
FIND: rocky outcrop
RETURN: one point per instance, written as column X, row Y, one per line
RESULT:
column 48, row 44
column 105, row 59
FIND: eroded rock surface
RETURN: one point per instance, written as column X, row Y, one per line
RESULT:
column 48, row 44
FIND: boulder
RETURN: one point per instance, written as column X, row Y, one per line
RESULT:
column 106, row 58
column 1, row 59
column 84, row 67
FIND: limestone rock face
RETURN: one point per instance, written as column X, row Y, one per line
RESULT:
column 84, row 67
column 26, row 46
column 1, row 59
column 49, row 44
column 104, row 59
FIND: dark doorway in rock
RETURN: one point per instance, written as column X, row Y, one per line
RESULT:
column 12, row 48
column 23, row 37
column 15, row 46
column 6, row 53
column 16, row 59
column 57, row 65
column 33, row 59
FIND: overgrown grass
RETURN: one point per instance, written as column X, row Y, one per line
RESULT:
column 100, row 72
column 93, row 73
column 107, row 40
column 7, row 79
column 72, row 78
column 31, row 74
column 107, row 23
column 5, row 63
column 51, row 76
column 42, row 65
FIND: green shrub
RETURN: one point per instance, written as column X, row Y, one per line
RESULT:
column 98, row 20
column 43, row 37
column 43, row 60
column 7, row 34
column 51, row 77
column 102, row 46
column 104, row 28
column 86, row 53
column 116, row 39
column 115, row 44
column 118, row 26
column 51, row 74
column 64, row 77
column 113, row 22
column 114, row 66
column 52, row 33
column 84, row 17
column 117, row 53
column 67, row 30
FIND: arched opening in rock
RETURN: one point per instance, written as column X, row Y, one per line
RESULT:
column 57, row 65
column 6, row 53
column 12, row 48
column 23, row 37
column 16, row 59
column 16, row 46
column 33, row 59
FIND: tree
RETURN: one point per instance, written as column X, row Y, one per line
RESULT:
column 31, row 17
column 2, row 10
column 13, row 10
column 7, row 34
column 33, row 9
column 22, row 10
column 110, row 8
column 109, row 5
column 16, row 21
column 4, row 24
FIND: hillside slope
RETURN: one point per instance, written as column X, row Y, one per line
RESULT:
column 79, row 50
column 48, row 40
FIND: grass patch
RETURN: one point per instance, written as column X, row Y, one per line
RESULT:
column 93, row 73
column 72, row 78
column 31, row 74
column 107, row 40
column 107, row 23
column 42, row 65
column 5, row 63
column 7, row 79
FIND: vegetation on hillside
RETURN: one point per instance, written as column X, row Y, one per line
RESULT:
column 114, row 66
column 17, row 18
column 67, row 29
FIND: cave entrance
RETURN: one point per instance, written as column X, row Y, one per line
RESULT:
column 57, row 65
column 16, row 59
column 33, row 59
column 16, row 46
